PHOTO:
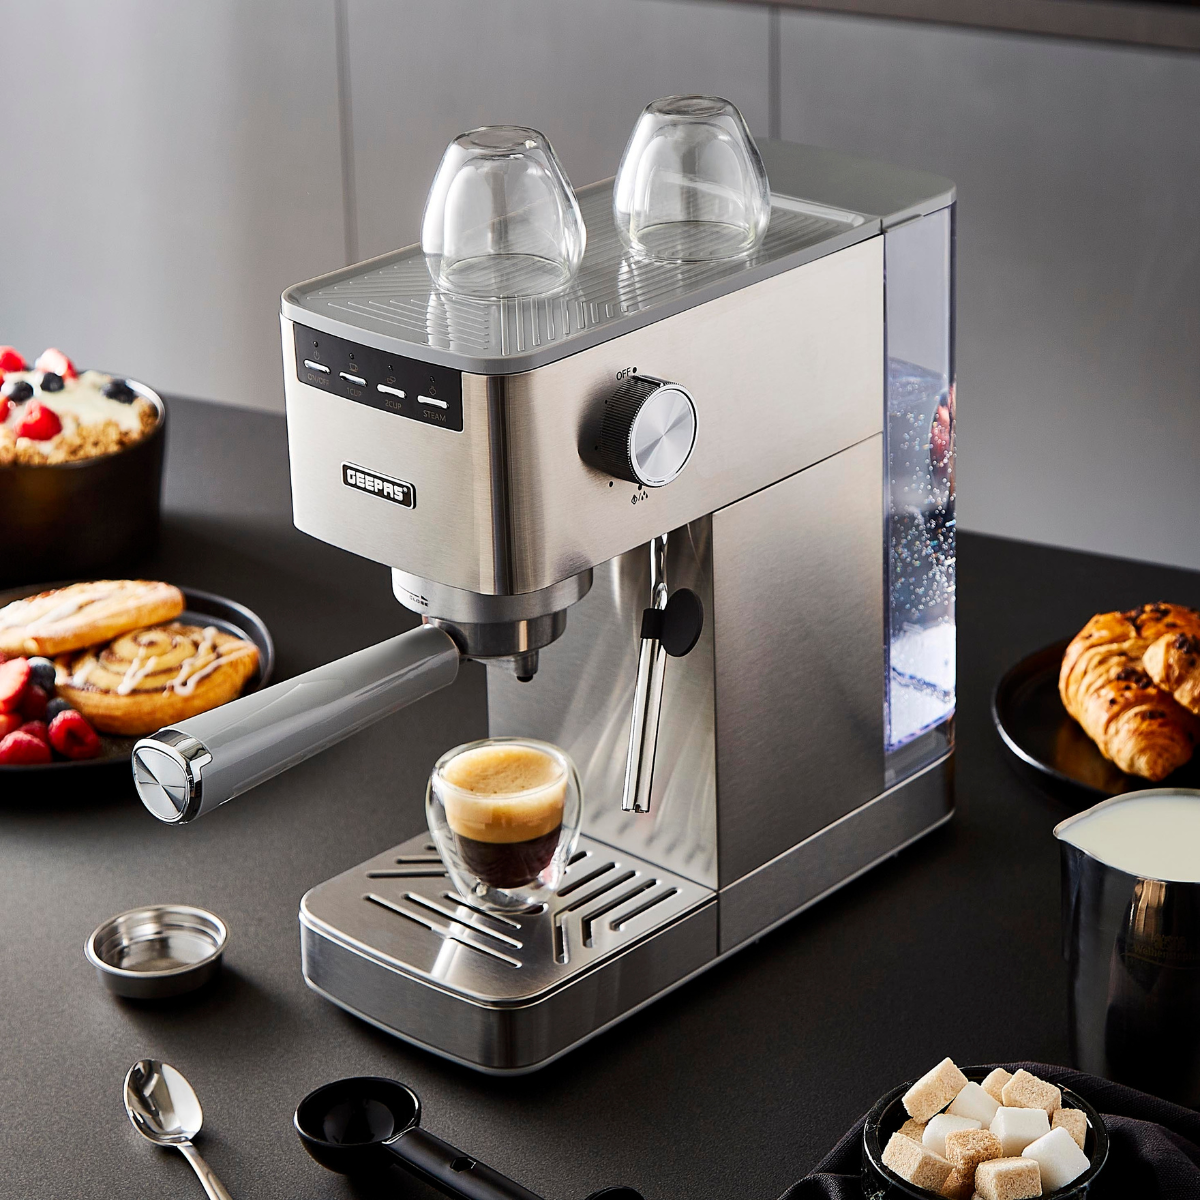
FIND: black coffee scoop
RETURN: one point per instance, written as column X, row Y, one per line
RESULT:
column 360, row 1125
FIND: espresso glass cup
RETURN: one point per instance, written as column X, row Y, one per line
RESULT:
column 691, row 186
column 501, row 220
column 505, row 815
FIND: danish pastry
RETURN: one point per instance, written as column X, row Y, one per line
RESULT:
column 1104, row 685
column 149, row 678
column 84, row 614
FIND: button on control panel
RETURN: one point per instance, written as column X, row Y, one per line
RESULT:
column 389, row 382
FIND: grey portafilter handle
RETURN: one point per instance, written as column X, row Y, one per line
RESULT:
column 188, row 769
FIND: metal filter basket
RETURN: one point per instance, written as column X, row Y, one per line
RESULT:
column 159, row 951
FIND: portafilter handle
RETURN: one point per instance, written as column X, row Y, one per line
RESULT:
column 188, row 769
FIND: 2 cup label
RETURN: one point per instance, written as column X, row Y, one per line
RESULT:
column 374, row 484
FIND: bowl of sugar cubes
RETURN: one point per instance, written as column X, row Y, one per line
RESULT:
column 978, row 1134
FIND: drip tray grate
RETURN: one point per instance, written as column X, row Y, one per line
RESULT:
column 400, row 909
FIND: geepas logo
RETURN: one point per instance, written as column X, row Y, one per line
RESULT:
column 395, row 490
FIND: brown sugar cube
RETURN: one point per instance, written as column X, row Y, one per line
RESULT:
column 994, row 1084
column 1008, row 1179
column 959, row 1185
column 912, row 1129
column 967, row 1148
column 910, row 1160
column 934, row 1090
column 1073, row 1121
column 1028, row 1091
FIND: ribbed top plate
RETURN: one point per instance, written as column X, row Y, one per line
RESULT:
column 390, row 301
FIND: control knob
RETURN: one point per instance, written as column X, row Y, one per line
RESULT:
column 648, row 431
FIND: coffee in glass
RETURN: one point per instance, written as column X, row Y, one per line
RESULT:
column 505, row 815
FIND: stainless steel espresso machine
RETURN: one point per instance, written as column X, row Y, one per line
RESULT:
column 556, row 481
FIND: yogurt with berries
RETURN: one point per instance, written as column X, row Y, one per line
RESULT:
column 53, row 414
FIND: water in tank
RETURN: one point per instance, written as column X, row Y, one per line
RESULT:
column 919, row 501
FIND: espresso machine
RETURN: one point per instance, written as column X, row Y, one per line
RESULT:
column 698, row 519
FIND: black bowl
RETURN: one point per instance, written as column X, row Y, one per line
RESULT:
column 878, row 1182
column 86, row 518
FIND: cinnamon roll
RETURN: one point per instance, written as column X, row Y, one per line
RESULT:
column 84, row 614
column 153, row 677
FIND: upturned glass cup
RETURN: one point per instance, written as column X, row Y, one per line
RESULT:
column 501, row 219
column 505, row 815
column 691, row 186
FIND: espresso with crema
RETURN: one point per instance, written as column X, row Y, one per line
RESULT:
column 504, row 805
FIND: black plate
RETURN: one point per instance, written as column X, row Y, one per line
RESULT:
column 200, row 608
column 1030, row 717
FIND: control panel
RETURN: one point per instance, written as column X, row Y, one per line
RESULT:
column 389, row 382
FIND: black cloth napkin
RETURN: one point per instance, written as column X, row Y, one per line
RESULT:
column 1154, row 1147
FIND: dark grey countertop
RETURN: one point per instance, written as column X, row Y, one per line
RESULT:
column 728, row 1089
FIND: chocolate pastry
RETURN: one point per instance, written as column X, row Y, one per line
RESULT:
column 1105, row 686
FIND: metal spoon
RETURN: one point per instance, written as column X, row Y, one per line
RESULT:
column 165, row 1111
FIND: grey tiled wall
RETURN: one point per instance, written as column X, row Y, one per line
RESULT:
column 183, row 163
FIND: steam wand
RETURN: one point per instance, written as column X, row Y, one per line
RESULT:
column 670, row 626
column 647, row 695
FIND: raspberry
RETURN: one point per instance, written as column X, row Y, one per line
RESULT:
column 6, row 406
column 34, row 701
column 14, row 675
column 38, row 730
column 56, row 361
column 71, row 735
column 9, row 722
column 23, row 749
column 39, row 423
column 10, row 360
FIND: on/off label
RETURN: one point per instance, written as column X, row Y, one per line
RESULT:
column 384, row 486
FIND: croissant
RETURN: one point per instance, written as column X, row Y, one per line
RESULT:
column 1106, row 688
column 1173, row 659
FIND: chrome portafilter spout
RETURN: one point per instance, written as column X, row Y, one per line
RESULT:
column 499, row 630
column 188, row 769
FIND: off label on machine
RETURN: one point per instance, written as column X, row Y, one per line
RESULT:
column 395, row 490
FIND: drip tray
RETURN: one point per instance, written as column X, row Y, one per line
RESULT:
column 391, row 941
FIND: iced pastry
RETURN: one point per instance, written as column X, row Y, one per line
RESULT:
column 84, row 614
column 153, row 677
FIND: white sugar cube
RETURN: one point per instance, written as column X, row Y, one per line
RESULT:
column 975, row 1103
column 1017, row 1127
column 1059, row 1158
column 934, row 1137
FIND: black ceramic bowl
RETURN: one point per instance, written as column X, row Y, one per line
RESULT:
column 888, row 1115
column 87, row 518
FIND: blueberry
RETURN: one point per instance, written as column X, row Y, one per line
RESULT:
column 17, row 390
column 56, row 706
column 51, row 382
column 118, row 389
column 41, row 672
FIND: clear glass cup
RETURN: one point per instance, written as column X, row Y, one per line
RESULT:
column 501, row 219
column 505, row 815
column 691, row 186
